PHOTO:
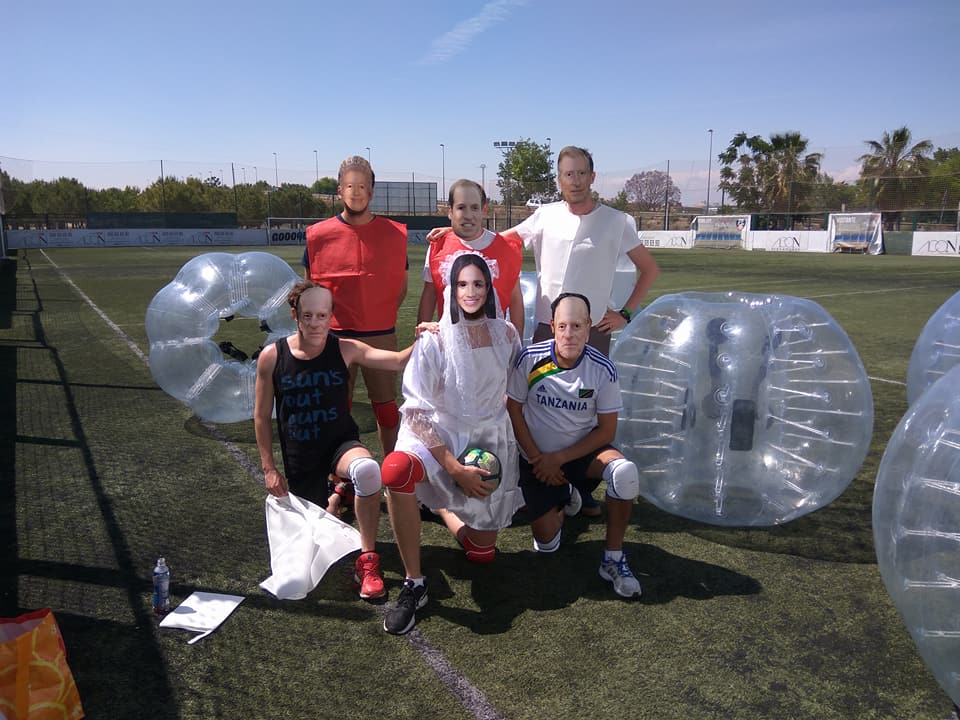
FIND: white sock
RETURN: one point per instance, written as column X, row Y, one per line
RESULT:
column 417, row 582
column 612, row 555
column 550, row 546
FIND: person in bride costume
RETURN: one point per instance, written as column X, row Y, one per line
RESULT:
column 454, row 391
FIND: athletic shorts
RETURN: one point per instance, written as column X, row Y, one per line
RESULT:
column 311, row 484
column 541, row 498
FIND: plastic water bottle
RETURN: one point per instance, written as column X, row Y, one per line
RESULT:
column 161, row 588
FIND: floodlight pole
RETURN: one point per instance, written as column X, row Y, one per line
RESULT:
column 316, row 162
column 443, row 169
column 709, row 167
column 506, row 146
column 276, row 172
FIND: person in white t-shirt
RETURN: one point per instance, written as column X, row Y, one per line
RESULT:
column 577, row 244
column 563, row 398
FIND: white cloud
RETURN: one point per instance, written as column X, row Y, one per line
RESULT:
column 457, row 40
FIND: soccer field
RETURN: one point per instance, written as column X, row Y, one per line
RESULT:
column 102, row 472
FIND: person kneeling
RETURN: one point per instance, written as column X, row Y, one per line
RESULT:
column 453, row 389
column 563, row 399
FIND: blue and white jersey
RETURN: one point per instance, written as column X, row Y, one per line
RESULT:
column 560, row 405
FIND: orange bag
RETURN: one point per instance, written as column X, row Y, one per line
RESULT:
column 35, row 680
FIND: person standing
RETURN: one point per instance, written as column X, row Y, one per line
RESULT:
column 305, row 377
column 577, row 244
column 467, row 208
column 563, row 398
column 362, row 258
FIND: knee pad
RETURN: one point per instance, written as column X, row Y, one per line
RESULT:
column 478, row 553
column 401, row 472
column 365, row 475
column 623, row 480
column 386, row 413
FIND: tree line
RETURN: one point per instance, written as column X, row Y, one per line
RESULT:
column 776, row 175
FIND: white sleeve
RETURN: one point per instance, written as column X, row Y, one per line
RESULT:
column 630, row 238
column 422, row 381
column 529, row 229
column 609, row 399
column 427, row 277
column 517, row 382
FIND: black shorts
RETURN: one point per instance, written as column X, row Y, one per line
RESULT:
column 541, row 498
column 311, row 483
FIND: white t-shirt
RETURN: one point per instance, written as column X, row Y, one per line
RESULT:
column 561, row 405
column 577, row 253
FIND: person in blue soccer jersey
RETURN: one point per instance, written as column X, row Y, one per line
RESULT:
column 563, row 397
column 307, row 376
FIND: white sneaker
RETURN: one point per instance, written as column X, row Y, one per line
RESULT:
column 574, row 503
column 617, row 571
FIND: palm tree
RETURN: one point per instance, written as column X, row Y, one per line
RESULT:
column 889, row 163
column 790, row 171
column 776, row 175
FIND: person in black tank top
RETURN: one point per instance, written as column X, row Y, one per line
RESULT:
column 305, row 375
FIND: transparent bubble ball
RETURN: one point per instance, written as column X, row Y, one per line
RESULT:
column 741, row 409
column 937, row 349
column 916, row 526
column 184, row 316
column 624, row 278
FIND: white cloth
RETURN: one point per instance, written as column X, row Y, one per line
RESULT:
column 202, row 612
column 560, row 406
column 304, row 542
column 577, row 253
column 436, row 412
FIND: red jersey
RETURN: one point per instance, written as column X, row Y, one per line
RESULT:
column 502, row 257
column 364, row 266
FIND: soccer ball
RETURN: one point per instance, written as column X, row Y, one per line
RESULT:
column 485, row 460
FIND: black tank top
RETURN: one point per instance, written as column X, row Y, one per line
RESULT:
column 313, row 409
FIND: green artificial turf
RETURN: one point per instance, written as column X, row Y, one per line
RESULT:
column 102, row 472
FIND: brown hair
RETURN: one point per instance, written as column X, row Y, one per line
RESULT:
column 464, row 183
column 356, row 162
column 574, row 151
column 293, row 297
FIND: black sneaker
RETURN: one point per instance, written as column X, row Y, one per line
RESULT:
column 402, row 617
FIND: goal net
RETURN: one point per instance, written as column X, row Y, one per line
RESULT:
column 856, row 232
column 724, row 232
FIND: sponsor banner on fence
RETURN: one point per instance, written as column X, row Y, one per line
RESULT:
column 18, row 239
column 814, row 241
column 675, row 239
column 940, row 244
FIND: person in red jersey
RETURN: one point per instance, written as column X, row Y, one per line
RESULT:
column 362, row 258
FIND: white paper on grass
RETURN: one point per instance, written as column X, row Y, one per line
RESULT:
column 304, row 542
column 202, row 612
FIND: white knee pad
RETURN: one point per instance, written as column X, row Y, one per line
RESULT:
column 623, row 480
column 364, row 472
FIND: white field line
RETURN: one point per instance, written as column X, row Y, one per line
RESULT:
column 470, row 697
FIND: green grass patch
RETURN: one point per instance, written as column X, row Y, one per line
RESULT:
column 102, row 472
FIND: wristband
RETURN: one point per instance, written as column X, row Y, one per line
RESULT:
column 625, row 313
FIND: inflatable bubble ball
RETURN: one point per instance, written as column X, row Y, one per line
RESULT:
column 624, row 278
column 937, row 349
column 528, row 287
column 916, row 526
column 741, row 409
column 184, row 316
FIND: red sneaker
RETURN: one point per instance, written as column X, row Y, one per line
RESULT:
column 366, row 573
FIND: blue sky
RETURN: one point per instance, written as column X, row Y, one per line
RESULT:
column 103, row 91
